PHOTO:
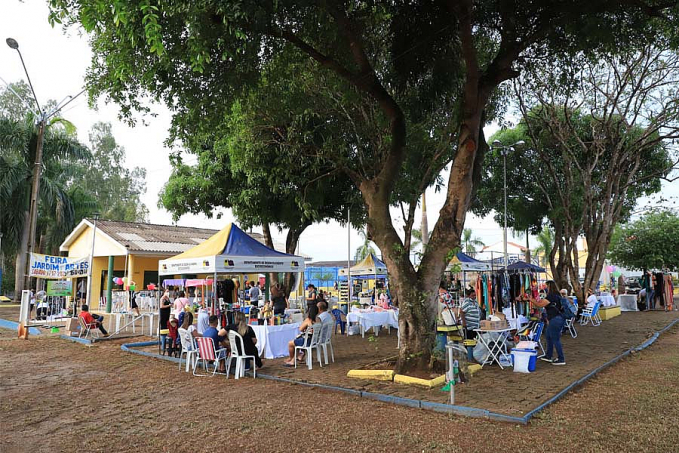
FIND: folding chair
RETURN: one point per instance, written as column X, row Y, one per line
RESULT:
column 236, row 343
column 207, row 352
column 313, row 344
column 340, row 320
column 188, row 348
column 534, row 335
column 591, row 315
column 325, row 340
column 86, row 329
column 570, row 326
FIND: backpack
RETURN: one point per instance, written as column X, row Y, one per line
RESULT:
column 565, row 309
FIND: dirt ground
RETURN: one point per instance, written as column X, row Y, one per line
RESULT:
column 61, row 396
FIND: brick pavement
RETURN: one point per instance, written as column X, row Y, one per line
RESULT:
column 491, row 388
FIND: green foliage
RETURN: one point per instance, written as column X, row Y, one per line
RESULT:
column 115, row 189
column 546, row 240
column 469, row 243
column 652, row 242
column 365, row 248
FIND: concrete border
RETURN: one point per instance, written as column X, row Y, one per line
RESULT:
column 12, row 325
column 439, row 407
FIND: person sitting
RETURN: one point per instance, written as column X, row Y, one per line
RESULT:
column 219, row 341
column 187, row 324
column 240, row 326
column 92, row 320
column 591, row 299
column 323, row 314
column 310, row 320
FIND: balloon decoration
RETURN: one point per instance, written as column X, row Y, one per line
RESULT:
column 609, row 269
column 118, row 281
column 617, row 273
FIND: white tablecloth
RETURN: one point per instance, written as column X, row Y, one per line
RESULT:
column 273, row 340
column 607, row 300
column 628, row 302
column 374, row 318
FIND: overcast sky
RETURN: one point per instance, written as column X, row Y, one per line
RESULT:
column 57, row 63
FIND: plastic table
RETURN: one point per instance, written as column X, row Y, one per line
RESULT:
column 497, row 347
column 272, row 341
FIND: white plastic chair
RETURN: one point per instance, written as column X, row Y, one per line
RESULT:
column 236, row 343
column 207, row 352
column 591, row 315
column 313, row 344
column 188, row 347
column 325, row 340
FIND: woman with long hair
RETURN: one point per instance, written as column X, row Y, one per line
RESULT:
column 187, row 324
column 311, row 319
column 278, row 299
column 240, row 325
column 556, row 320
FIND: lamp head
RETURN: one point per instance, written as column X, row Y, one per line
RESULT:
column 497, row 144
column 519, row 144
column 12, row 43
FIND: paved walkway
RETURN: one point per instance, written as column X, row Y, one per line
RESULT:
column 491, row 388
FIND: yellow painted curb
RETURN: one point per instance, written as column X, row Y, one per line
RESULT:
column 379, row 375
column 429, row 383
column 471, row 369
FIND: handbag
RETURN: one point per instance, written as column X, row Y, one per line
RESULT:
column 448, row 317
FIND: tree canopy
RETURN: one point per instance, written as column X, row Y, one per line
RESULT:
column 404, row 73
column 651, row 242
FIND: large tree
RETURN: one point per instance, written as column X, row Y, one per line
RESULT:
column 116, row 189
column 597, row 141
column 198, row 56
column 651, row 242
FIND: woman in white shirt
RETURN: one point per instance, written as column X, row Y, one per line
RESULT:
column 591, row 299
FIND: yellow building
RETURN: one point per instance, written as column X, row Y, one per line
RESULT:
column 131, row 249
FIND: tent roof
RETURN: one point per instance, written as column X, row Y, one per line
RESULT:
column 371, row 265
column 230, row 250
column 523, row 266
column 230, row 240
column 468, row 263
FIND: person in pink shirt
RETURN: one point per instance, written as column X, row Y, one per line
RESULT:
column 179, row 303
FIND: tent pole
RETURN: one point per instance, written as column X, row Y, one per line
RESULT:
column 349, row 286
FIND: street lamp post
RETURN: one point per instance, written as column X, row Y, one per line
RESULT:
column 42, row 118
column 497, row 144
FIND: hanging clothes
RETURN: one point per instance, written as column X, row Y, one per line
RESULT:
column 669, row 292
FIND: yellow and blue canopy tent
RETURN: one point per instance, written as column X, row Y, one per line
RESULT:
column 229, row 251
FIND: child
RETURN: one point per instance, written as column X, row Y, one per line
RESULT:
column 173, row 335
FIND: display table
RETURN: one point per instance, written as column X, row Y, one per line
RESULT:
column 607, row 300
column 628, row 302
column 272, row 341
column 496, row 344
column 374, row 319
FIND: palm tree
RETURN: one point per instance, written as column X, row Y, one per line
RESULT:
column 546, row 239
column 469, row 244
column 365, row 249
column 56, row 209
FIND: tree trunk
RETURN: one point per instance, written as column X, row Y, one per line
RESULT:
column 268, row 240
column 20, row 273
column 291, row 241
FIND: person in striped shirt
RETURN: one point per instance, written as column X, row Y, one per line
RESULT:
column 470, row 313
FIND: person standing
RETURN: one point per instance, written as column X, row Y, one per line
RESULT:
column 254, row 294
column 180, row 303
column 556, row 321
column 165, row 309
column 311, row 296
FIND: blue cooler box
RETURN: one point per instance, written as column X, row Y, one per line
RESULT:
column 524, row 360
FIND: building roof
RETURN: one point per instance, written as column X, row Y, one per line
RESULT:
column 512, row 247
column 151, row 238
